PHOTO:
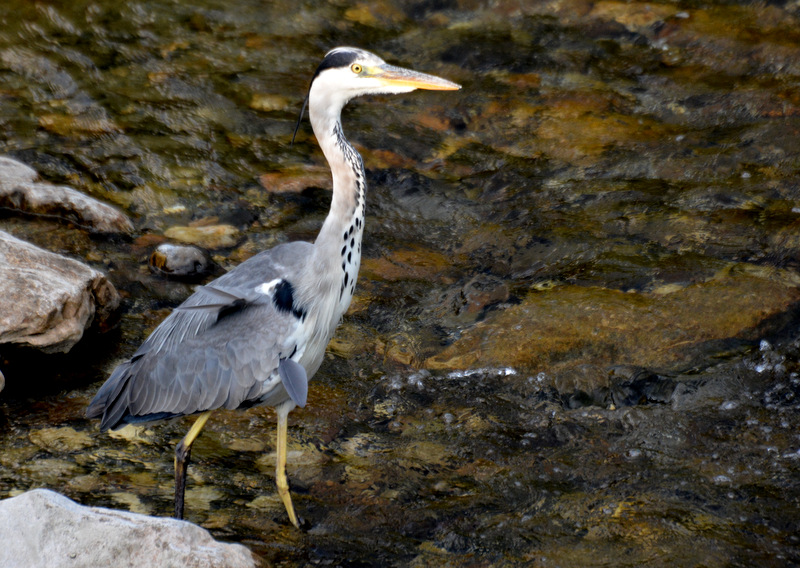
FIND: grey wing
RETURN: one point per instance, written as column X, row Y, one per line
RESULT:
column 221, row 348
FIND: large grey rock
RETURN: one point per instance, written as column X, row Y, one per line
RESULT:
column 47, row 300
column 41, row 528
column 19, row 189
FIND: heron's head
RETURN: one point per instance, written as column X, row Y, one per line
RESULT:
column 348, row 72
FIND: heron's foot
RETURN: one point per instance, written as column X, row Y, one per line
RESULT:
column 283, row 491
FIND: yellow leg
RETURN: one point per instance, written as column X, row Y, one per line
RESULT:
column 280, row 469
column 182, row 451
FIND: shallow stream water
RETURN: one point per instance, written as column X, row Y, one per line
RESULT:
column 575, row 337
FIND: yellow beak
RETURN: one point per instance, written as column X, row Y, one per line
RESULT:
column 399, row 77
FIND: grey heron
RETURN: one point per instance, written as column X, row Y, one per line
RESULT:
column 257, row 334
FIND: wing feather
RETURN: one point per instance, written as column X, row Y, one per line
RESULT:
column 294, row 379
column 221, row 347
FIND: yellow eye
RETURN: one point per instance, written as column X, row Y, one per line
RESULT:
column 356, row 68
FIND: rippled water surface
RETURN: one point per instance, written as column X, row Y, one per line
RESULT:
column 575, row 338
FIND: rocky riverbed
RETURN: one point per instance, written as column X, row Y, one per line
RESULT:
column 574, row 340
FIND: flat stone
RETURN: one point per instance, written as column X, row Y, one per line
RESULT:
column 44, row 528
column 209, row 236
column 20, row 190
column 66, row 125
column 47, row 301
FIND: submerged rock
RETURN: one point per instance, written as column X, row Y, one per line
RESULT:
column 295, row 180
column 208, row 236
column 411, row 264
column 571, row 326
column 47, row 301
column 63, row 439
column 43, row 528
column 20, row 190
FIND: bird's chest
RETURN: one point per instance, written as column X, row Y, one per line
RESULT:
column 349, row 263
column 334, row 291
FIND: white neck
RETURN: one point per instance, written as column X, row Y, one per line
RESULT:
column 347, row 168
column 327, row 285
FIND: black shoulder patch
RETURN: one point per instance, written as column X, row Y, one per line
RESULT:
column 283, row 299
column 341, row 58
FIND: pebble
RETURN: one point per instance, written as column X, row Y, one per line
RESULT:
column 186, row 261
